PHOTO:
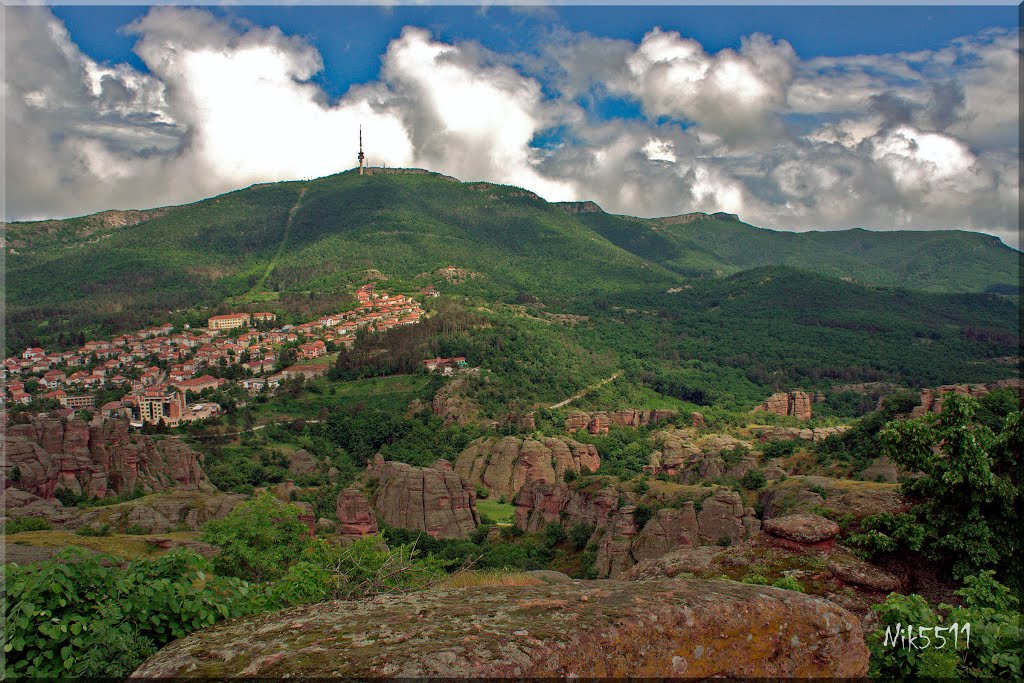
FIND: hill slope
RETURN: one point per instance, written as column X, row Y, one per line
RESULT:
column 697, row 243
column 297, row 248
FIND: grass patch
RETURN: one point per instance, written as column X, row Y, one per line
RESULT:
column 474, row 579
column 500, row 513
column 118, row 545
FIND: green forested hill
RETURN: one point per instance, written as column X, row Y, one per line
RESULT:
column 936, row 261
column 690, row 299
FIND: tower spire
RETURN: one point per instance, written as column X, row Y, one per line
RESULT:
column 361, row 155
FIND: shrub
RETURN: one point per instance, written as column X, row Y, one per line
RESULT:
column 724, row 541
column 101, row 530
column 19, row 524
column 754, row 479
column 642, row 515
column 820, row 490
column 136, row 530
column 553, row 534
column 579, row 534
column 366, row 567
column 641, row 487
column 569, row 476
column 778, row 449
column 259, row 539
column 789, row 583
column 482, row 492
column 77, row 616
column 971, row 496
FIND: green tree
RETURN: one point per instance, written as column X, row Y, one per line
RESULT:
column 969, row 497
column 259, row 539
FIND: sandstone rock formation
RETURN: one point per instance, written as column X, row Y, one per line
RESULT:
column 355, row 517
column 597, row 423
column 695, row 459
column 864, row 574
column 857, row 498
column 931, row 399
column 452, row 406
column 97, row 460
column 539, row 503
column 795, row 433
column 802, row 528
column 302, row 462
column 159, row 513
column 590, row 629
column 621, row 541
column 504, row 465
column 433, row 499
column 796, row 403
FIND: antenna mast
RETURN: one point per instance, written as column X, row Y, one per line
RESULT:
column 361, row 155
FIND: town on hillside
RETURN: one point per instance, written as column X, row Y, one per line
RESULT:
column 159, row 392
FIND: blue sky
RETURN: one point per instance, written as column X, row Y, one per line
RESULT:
column 794, row 117
column 351, row 39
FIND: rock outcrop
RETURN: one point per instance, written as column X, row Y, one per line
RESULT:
column 355, row 517
column 931, row 399
column 857, row 498
column 795, row 403
column 452, row 406
column 586, row 629
column 539, row 503
column 864, row 575
column 621, row 540
column 97, row 459
column 597, row 423
column 681, row 452
column 802, row 529
column 302, row 462
column 159, row 513
column 764, row 434
column 503, row 465
column 433, row 499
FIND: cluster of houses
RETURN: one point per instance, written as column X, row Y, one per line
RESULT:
column 154, row 395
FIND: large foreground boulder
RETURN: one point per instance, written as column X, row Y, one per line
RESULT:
column 670, row 628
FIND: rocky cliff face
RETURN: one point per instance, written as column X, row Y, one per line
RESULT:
column 597, row 423
column 504, row 465
column 622, row 541
column 98, row 460
column 796, row 403
column 587, row 629
column 433, row 499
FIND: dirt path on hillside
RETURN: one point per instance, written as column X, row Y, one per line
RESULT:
column 586, row 391
column 280, row 248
